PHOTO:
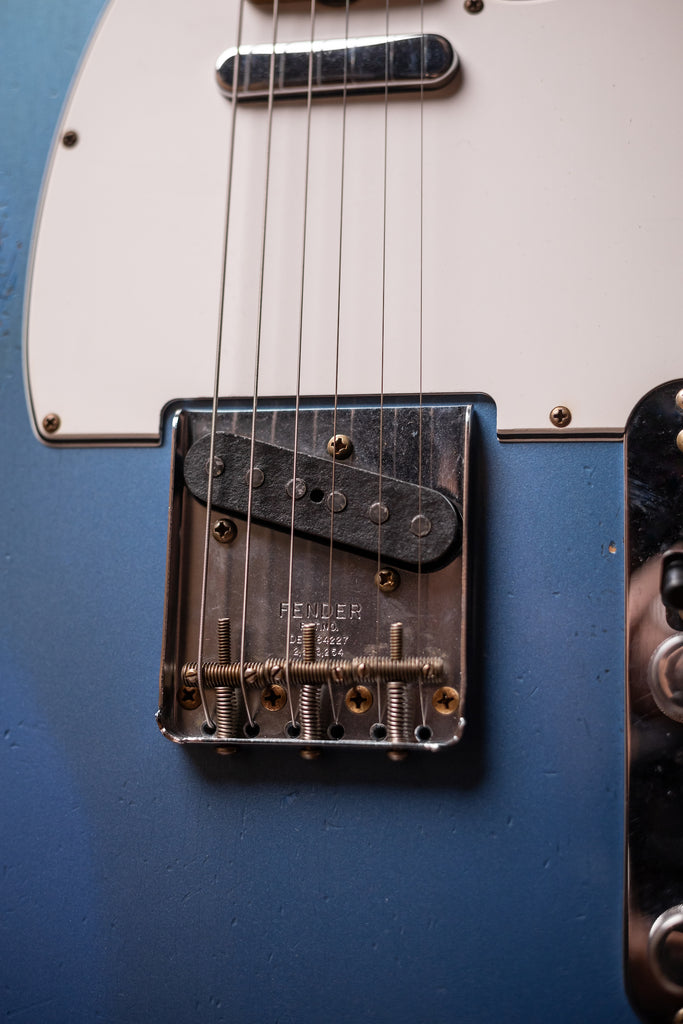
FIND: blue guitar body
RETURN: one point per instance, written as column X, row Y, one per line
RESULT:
column 146, row 882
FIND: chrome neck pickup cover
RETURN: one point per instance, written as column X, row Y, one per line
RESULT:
column 334, row 66
column 365, row 647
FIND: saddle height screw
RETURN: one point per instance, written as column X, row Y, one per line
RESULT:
column 387, row 580
column 340, row 446
column 51, row 423
column 560, row 416
column 224, row 530
column 309, row 698
column 225, row 711
column 474, row 6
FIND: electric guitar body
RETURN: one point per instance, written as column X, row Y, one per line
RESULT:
column 437, row 249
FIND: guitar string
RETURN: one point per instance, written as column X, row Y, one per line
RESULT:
column 257, row 353
column 382, row 331
column 420, row 360
column 309, row 98
column 216, row 378
column 338, row 325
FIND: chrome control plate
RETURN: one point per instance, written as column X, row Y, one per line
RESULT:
column 654, row 822
column 354, row 676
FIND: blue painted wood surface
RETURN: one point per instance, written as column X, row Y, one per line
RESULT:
column 144, row 882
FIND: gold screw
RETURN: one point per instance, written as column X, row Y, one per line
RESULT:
column 188, row 697
column 340, row 446
column 225, row 531
column 387, row 580
column 51, row 423
column 358, row 700
column 273, row 697
column 446, row 700
column 560, row 416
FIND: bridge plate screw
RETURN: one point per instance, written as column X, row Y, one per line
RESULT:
column 474, row 6
column 340, row 445
column 69, row 139
column 224, row 530
column 188, row 697
column 358, row 700
column 51, row 423
column 273, row 697
column 560, row 416
column 387, row 580
column 446, row 700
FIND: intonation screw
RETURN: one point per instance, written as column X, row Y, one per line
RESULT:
column 224, row 643
column 69, row 139
column 51, row 423
column 358, row 700
column 474, row 6
column 387, row 580
column 340, row 446
column 446, row 700
column 396, row 641
column 224, row 531
column 560, row 416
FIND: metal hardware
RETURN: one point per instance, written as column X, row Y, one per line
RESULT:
column 378, row 513
column 355, row 485
column 335, row 669
column 679, row 399
column 188, row 696
column 399, row 63
column 474, row 6
column 224, row 530
column 225, row 710
column 340, row 446
column 358, row 699
column 51, row 423
column 446, row 700
column 218, row 466
column 560, row 416
column 300, row 488
column 336, row 501
column 69, row 139
column 654, row 722
column 420, row 526
column 387, row 580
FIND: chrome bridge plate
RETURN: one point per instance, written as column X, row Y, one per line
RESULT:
column 654, row 820
column 354, row 677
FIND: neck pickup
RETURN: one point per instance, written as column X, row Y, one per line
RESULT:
column 337, row 66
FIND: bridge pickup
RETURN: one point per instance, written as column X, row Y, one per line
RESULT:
column 419, row 526
column 399, row 63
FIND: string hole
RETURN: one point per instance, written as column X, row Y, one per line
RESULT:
column 336, row 731
column 293, row 730
column 423, row 733
column 252, row 730
column 317, row 495
column 378, row 731
column 207, row 729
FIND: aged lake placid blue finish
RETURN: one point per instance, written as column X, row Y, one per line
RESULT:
column 142, row 881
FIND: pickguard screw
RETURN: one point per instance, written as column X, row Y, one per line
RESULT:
column 387, row 580
column 358, row 700
column 679, row 399
column 188, row 697
column 51, row 423
column 69, row 139
column 224, row 530
column 340, row 445
column 560, row 416
column 446, row 700
column 273, row 697
column 474, row 6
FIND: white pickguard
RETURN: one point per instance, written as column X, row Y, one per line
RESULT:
column 553, row 214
